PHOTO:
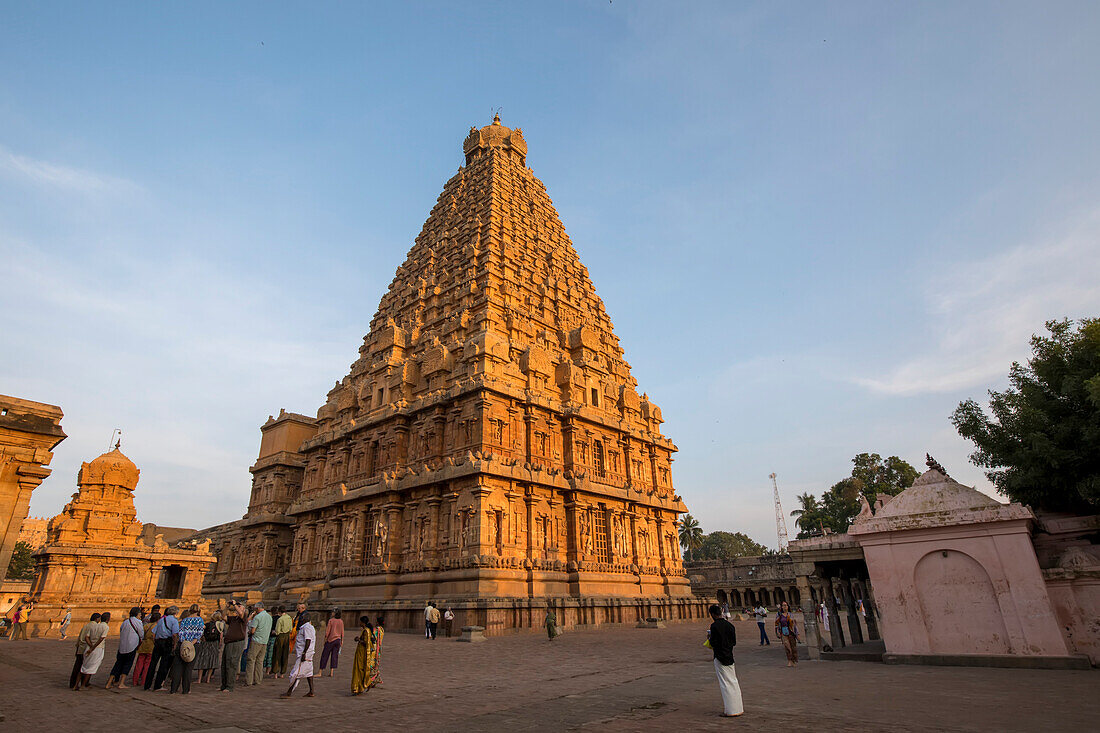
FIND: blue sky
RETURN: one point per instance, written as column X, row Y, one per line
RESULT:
column 816, row 226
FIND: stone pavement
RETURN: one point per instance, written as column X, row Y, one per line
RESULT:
column 613, row 680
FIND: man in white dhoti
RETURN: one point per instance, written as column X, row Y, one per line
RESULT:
column 93, row 657
column 723, row 637
column 304, row 646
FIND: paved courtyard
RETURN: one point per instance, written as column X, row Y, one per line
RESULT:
column 613, row 680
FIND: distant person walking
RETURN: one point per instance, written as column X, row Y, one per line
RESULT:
column 433, row 620
column 551, row 624
column 761, row 615
column 130, row 633
column 236, row 627
column 428, row 620
column 303, row 656
column 145, row 649
column 786, row 628
column 65, row 624
column 366, row 658
column 22, row 614
column 96, row 648
column 723, row 638
column 81, row 650
column 334, row 639
column 281, row 655
column 260, row 630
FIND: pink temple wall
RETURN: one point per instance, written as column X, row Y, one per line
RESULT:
column 962, row 589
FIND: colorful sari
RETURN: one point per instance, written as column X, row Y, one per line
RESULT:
column 376, row 675
column 365, row 667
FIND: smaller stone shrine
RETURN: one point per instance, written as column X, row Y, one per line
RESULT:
column 95, row 558
column 957, row 579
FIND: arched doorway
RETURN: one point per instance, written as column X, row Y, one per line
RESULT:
column 721, row 596
column 959, row 605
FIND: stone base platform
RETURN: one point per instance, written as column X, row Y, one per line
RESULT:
column 500, row 616
column 1007, row 661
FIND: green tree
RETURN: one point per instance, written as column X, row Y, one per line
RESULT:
column 807, row 514
column 871, row 476
column 21, row 566
column 1040, row 443
column 877, row 476
column 727, row 546
column 691, row 535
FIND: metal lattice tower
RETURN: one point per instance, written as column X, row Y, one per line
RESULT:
column 780, row 520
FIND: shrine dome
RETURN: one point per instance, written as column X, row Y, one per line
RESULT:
column 935, row 491
column 494, row 135
column 110, row 469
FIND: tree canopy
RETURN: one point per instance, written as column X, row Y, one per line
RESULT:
column 1041, row 441
column 871, row 476
column 727, row 546
column 21, row 566
column 691, row 535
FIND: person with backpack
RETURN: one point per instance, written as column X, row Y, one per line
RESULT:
column 191, row 629
column 208, row 651
column 145, row 649
column 164, row 632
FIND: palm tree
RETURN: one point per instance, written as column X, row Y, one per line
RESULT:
column 691, row 535
column 807, row 513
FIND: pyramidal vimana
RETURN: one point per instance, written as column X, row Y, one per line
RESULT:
column 488, row 450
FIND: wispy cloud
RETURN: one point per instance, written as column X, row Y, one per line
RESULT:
column 985, row 311
column 62, row 177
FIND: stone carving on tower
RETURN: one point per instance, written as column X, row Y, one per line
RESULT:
column 490, row 434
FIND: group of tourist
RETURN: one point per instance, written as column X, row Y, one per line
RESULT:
column 245, row 643
column 20, row 614
column 432, row 619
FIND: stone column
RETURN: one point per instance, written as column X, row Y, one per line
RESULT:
column 836, row 633
column 529, row 508
column 433, row 527
column 393, row 520
column 811, row 634
column 854, row 628
column 871, row 609
column 401, row 428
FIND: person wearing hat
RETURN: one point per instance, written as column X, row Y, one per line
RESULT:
column 190, row 631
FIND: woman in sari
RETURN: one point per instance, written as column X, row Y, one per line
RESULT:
column 379, row 632
column 366, row 658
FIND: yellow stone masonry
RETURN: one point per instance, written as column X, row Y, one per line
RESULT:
column 489, row 444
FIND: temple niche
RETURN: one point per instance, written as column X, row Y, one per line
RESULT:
column 96, row 559
column 488, row 448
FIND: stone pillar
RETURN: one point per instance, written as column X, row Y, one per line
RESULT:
column 433, row 527
column 393, row 521
column 529, row 419
column 811, row 634
column 871, row 610
column 835, row 632
column 529, row 507
column 401, row 428
column 854, row 628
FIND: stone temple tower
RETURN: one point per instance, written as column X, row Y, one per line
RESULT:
column 488, row 449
